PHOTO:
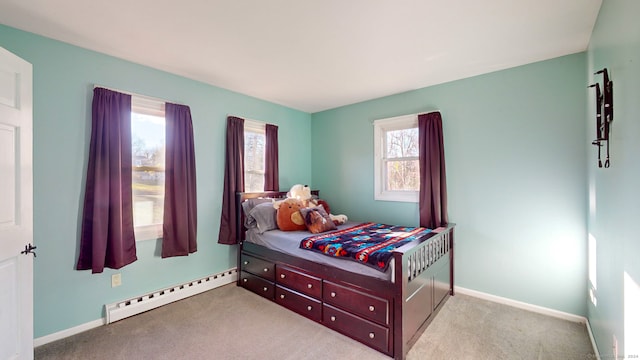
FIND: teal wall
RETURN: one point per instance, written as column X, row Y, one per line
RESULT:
column 63, row 79
column 523, row 186
column 615, row 192
column 516, row 175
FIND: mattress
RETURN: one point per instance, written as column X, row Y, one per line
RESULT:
column 288, row 242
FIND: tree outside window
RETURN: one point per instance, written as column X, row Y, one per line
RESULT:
column 397, row 169
column 148, row 173
column 254, row 152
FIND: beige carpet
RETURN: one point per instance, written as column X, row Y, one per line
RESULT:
column 232, row 323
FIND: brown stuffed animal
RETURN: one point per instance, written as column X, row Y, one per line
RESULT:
column 289, row 217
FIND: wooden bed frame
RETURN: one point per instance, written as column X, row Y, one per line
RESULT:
column 384, row 315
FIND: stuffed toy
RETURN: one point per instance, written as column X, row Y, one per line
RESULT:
column 317, row 220
column 303, row 193
column 299, row 192
column 289, row 217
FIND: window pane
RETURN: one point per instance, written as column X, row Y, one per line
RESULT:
column 254, row 144
column 254, row 182
column 148, row 150
column 403, row 175
column 402, row 143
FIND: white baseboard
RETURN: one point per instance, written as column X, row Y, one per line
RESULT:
column 68, row 332
column 220, row 281
column 593, row 341
column 534, row 308
column 522, row 305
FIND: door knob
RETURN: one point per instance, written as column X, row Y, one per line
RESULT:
column 28, row 249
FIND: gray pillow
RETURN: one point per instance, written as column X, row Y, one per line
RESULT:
column 247, row 206
column 264, row 216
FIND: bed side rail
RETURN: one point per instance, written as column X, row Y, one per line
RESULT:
column 420, row 255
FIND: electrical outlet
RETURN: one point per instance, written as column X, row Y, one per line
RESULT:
column 116, row 280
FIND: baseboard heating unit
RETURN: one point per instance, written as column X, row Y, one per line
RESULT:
column 139, row 304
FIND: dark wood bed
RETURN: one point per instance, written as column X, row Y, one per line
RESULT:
column 386, row 315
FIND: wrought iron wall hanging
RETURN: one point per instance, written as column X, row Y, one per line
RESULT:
column 604, row 115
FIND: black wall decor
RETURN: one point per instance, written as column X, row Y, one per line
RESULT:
column 604, row 115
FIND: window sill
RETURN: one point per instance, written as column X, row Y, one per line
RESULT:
column 148, row 232
column 411, row 197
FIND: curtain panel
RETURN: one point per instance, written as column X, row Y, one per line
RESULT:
column 107, row 237
column 433, row 184
column 271, row 172
column 233, row 180
column 180, row 220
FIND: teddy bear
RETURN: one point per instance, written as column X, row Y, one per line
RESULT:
column 288, row 217
column 303, row 194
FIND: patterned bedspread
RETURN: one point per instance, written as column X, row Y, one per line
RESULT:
column 367, row 243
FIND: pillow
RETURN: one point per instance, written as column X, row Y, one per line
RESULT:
column 288, row 217
column 317, row 220
column 247, row 206
column 264, row 215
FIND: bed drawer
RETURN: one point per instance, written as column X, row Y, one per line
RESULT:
column 370, row 307
column 257, row 284
column 262, row 268
column 298, row 281
column 299, row 303
column 362, row 330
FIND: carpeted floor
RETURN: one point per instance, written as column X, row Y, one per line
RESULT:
column 232, row 323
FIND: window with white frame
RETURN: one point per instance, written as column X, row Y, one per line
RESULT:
column 254, row 152
column 397, row 169
column 148, row 162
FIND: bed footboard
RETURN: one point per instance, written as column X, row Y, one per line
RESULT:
column 423, row 284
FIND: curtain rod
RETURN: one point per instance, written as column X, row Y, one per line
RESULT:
column 145, row 97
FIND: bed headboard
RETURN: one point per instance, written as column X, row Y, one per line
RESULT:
column 244, row 196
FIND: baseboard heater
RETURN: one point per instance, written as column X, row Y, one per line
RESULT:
column 139, row 304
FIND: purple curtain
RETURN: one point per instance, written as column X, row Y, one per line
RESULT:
column 433, row 183
column 180, row 220
column 107, row 238
column 271, row 175
column 233, row 180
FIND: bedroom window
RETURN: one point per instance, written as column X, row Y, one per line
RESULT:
column 254, row 160
column 148, row 153
column 397, row 170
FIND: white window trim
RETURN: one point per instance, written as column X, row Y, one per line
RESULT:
column 154, row 107
column 148, row 232
column 379, row 128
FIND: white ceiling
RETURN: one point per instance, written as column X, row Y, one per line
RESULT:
column 316, row 55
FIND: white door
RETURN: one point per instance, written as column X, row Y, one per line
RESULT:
column 16, row 208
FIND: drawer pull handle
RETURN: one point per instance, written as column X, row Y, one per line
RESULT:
column 246, row 262
column 266, row 269
column 333, row 294
column 245, row 280
column 333, row 318
column 309, row 307
column 372, row 335
column 282, row 296
column 265, row 288
column 282, row 276
column 309, row 286
column 371, row 308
